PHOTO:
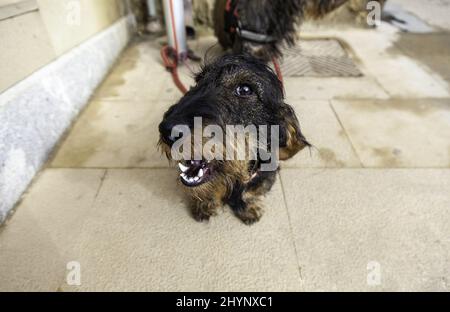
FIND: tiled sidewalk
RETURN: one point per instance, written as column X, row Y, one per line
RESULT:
column 374, row 189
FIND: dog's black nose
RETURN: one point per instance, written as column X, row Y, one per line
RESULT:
column 165, row 129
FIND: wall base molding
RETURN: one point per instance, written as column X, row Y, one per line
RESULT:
column 36, row 112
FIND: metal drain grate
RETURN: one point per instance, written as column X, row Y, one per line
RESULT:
column 318, row 58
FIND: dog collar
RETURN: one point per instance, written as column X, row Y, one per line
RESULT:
column 253, row 36
column 233, row 25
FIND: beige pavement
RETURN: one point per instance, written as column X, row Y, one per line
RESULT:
column 367, row 208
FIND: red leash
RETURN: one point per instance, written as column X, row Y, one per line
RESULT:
column 278, row 70
column 170, row 60
column 168, row 53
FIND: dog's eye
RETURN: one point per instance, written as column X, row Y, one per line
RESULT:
column 244, row 90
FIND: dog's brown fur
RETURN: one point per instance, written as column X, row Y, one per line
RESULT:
column 238, row 183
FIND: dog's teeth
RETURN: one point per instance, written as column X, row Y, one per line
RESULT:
column 191, row 180
column 183, row 168
column 196, row 179
column 201, row 173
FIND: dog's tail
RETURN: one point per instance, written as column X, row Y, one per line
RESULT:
column 320, row 8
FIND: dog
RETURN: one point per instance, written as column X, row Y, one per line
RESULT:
column 232, row 90
column 261, row 28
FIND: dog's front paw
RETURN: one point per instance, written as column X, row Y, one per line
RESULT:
column 250, row 215
column 203, row 211
column 200, row 216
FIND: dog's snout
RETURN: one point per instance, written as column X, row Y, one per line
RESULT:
column 165, row 129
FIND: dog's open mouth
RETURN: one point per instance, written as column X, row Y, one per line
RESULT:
column 195, row 172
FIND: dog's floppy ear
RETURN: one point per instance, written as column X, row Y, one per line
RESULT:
column 291, row 138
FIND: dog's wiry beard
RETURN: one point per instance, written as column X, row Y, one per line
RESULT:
column 223, row 173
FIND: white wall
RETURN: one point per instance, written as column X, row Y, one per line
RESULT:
column 70, row 22
column 30, row 41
